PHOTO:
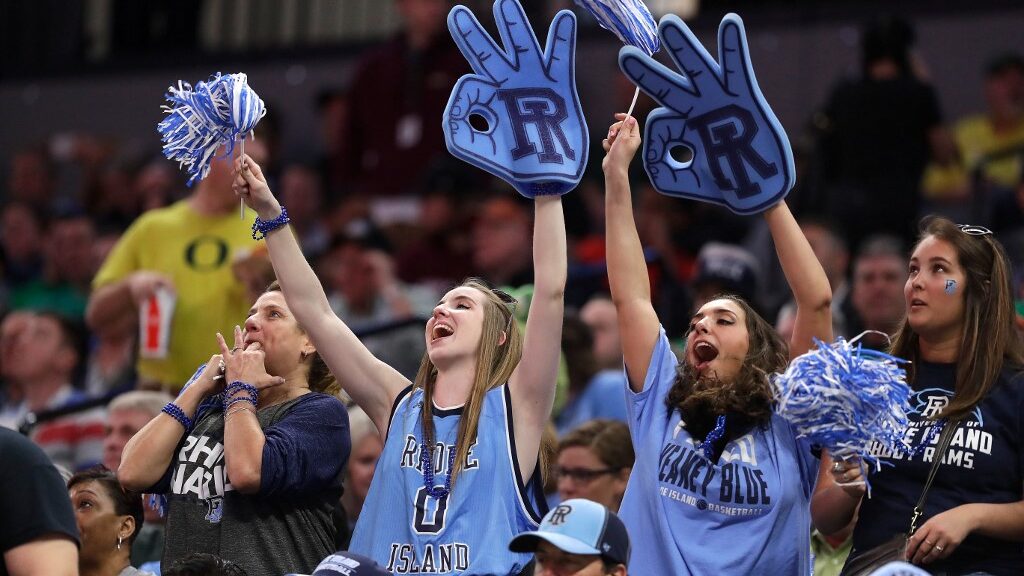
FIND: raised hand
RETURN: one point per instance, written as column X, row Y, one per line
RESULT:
column 740, row 155
column 245, row 362
column 849, row 475
column 536, row 138
column 621, row 144
column 251, row 186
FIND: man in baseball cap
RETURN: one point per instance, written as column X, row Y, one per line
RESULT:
column 578, row 538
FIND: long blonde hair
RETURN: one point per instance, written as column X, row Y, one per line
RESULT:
column 495, row 362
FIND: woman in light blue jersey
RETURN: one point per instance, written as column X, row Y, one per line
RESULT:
column 459, row 475
column 721, row 484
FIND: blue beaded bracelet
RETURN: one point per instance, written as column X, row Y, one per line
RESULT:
column 174, row 411
column 233, row 401
column 239, row 386
column 260, row 228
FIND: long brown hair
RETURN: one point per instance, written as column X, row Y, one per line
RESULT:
column 748, row 396
column 606, row 439
column 319, row 376
column 988, row 336
column 495, row 363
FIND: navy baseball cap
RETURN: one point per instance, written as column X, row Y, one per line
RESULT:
column 579, row 526
column 347, row 564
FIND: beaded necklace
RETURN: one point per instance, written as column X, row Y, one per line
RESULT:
column 707, row 447
column 427, row 463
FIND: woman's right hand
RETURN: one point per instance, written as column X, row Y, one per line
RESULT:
column 250, row 185
column 849, row 475
column 621, row 144
column 211, row 380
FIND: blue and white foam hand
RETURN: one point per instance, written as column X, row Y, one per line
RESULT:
column 536, row 138
column 740, row 155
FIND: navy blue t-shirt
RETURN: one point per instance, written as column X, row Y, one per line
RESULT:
column 291, row 523
column 983, row 464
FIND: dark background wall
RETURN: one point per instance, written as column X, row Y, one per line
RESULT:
column 799, row 50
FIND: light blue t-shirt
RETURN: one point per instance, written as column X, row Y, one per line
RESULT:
column 748, row 513
column 407, row 531
column 602, row 398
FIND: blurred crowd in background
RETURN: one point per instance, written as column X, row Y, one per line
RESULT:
column 390, row 220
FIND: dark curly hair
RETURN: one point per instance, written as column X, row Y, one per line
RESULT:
column 747, row 398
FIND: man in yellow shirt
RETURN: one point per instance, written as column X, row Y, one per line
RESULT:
column 992, row 142
column 186, row 248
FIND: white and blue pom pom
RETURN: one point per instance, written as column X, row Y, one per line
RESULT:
column 630, row 20
column 202, row 119
column 843, row 398
column 158, row 502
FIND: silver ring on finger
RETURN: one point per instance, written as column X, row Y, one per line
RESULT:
column 939, row 548
column 836, row 466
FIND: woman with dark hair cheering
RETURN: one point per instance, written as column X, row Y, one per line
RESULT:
column 108, row 519
column 251, row 470
column 966, row 374
column 721, row 484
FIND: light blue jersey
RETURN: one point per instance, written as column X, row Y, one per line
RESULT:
column 748, row 513
column 407, row 531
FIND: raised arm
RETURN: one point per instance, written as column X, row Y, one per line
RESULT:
column 149, row 453
column 372, row 383
column 244, row 439
column 532, row 384
column 806, row 279
column 627, row 270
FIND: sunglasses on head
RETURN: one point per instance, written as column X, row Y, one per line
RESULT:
column 510, row 302
column 973, row 230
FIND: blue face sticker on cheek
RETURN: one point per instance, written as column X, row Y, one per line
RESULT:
column 950, row 287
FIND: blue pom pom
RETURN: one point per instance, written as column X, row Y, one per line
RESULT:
column 158, row 502
column 202, row 119
column 630, row 20
column 843, row 397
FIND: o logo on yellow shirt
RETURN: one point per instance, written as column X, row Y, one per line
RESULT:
column 206, row 253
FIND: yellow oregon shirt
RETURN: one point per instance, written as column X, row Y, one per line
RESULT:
column 196, row 252
column 975, row 139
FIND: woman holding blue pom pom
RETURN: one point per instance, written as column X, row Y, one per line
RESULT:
column 966, row 374
column 721, row 485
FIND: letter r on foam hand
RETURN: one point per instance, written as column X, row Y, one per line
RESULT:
column 741, row 157
column 536, row 138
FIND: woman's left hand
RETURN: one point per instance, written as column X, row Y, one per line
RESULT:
column 940, row 535
column 246, row 363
